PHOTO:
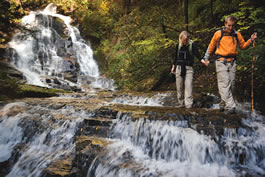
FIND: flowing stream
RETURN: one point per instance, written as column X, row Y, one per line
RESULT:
column 43, row 134
column 171, row 149
column 39, row 137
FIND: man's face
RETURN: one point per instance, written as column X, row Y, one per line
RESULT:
column 230, row 25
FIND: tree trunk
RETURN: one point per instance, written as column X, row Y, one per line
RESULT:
column 186, row 14
column 212, row 17
column 126, row 5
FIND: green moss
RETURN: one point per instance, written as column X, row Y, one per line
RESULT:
column 26, row 90
column 11, row 86
column 27, row 87
column 10, row 89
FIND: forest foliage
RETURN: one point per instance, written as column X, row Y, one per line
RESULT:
column 134, row 40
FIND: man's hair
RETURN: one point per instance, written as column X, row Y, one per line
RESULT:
column 231, row 18
column 183, row 36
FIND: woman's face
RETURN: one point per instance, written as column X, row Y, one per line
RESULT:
column 185, row 41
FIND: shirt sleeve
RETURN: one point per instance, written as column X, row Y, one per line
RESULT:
column 176, row 55
column 242, row 43
column 212, row 45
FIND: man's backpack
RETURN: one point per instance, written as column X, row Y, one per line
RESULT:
column 233, row 34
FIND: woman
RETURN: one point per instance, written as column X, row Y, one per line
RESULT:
column 182, row 65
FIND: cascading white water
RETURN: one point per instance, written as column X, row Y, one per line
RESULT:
column 155, row 100
column 47, row 49
column 10, row 135
column 147, row 148
column 141, row 147
column 50, row 141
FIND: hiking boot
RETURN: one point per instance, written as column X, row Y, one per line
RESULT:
column 222, row 106
column 188, row 107
column 230, row 111
column 179, row 106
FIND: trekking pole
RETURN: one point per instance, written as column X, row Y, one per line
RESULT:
column 252, row 77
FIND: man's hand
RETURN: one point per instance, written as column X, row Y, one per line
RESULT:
column 253, row 36
column 205, row 62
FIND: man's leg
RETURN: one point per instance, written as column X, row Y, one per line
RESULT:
column 232, row 74
column 179, row 85
column 188, row 87
column 225, row 84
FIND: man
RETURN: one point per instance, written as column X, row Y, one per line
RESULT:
column 224, row 43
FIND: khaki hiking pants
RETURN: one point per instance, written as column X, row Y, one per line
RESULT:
column 226, row 82
column 185, row 98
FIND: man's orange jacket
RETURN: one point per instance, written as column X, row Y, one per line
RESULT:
column 227, row 46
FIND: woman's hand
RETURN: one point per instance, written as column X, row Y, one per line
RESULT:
column 205, row 62
column 173, row 69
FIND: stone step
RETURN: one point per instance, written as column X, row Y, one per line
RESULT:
column 87, row 148
column 98, row 121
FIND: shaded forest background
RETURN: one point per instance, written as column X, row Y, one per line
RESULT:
column 134, row 40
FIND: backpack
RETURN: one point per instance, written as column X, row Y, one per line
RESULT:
column 190, row 48
column 233, row 34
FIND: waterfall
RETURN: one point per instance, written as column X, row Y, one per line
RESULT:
column 11, row 135
column 40, row 138
column 171, row 149
column 51, row 53
column 36, row 135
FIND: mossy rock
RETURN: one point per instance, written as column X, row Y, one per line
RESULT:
column 27, row 90
column 11, row 89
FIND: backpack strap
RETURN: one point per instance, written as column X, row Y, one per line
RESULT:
column 222, row 34
column 190, row 47
column 233, row 34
